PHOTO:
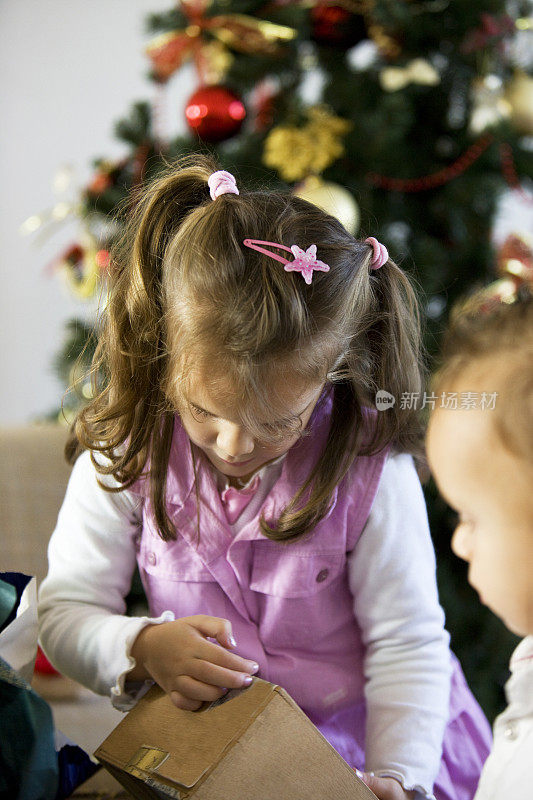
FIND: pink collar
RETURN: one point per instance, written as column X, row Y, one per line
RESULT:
column 235, row 500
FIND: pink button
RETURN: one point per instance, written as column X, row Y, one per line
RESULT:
column 322, row 575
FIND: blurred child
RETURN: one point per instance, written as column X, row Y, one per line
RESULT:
column 481, row 454
column 277, row 518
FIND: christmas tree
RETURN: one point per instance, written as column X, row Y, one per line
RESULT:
column 405, row 119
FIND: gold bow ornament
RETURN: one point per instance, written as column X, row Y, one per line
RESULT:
column 418, row 71
column 239, row 32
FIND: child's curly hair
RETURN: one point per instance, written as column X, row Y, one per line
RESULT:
column 497, row 344
column 183, row 289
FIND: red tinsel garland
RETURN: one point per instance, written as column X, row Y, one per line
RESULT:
column 436, row 178
column 509, row 172
column 454, row 170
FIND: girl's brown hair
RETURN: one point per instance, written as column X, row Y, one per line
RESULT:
column 494, row 343
column 183, row 286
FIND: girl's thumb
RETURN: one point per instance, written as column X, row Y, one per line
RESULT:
column 367, row 777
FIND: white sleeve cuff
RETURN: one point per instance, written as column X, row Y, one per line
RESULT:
column 420, row 792
column 124, row 695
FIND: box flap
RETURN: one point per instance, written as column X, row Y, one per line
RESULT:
column 282, row 756
column 140, row 744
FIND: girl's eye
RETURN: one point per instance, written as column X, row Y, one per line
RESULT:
column 199, row 413
column 277, row 433
column 273, row 431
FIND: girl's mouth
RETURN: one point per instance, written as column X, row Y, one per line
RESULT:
column 236, row 463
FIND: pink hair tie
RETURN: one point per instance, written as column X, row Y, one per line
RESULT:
column 380, row 255
column 222, row 182
column 305, row 261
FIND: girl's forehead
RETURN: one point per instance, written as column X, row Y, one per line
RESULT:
column 280, row 394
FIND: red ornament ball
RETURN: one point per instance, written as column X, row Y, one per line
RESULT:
column 215, row 113
column 336, row 26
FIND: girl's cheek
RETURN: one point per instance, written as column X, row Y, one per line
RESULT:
column 200, row 433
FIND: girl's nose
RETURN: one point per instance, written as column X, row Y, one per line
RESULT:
column 461, row 542
column 234, row 442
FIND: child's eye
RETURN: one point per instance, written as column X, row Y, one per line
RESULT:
column 199, row 413
column 277, row 433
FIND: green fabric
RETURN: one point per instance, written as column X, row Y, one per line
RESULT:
column 28, row 760
column 8, row 601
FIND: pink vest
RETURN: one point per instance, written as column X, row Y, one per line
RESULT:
column 290, row 605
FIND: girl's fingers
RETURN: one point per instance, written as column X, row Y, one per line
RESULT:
column 184, row 702
column 216, row 627
column 192, row 689
column 210, row 673
column 214, row 654
column 219, row 629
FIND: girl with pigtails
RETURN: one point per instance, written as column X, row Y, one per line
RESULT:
column 233, row 451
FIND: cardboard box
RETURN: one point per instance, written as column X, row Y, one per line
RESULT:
column 252, row 744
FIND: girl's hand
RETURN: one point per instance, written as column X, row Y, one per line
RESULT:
column 386, row 788
column 189, row 668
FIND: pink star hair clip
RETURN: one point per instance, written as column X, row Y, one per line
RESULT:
column 305, row 261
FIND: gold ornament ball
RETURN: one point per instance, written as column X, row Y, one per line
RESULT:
column 331, row 198
column 519, row 95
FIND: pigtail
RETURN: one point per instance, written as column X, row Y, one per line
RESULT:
column 397, row 360
column 129, row 421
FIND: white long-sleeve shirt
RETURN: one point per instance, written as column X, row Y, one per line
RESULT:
column 507, row 770
column 92, row 554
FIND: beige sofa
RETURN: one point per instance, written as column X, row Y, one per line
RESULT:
column 33, row 478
